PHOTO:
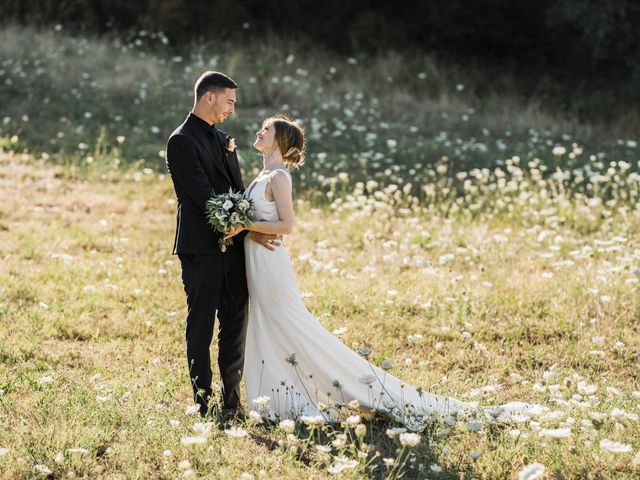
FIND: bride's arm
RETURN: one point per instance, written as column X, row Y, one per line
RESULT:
column 281, row 191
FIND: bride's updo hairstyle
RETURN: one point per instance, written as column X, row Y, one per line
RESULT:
column 289, row 136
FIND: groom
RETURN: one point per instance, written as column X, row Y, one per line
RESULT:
column 202, row 162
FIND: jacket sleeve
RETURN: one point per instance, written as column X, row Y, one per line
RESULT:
column 185, row 167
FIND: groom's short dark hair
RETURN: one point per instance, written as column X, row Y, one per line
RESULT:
column 212, row 82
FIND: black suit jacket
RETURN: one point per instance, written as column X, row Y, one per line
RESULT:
column 200, row 166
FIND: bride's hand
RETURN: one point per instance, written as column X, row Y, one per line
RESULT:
column 233, row 232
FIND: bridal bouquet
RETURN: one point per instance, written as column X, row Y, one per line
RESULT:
column 227, row 211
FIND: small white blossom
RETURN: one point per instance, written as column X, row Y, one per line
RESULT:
column 287, row 426
column 353, row 420
column 615, row 447
column 188, row 441
column 559, row 151
column 314, row 421
column 409, row 439
column 532, row 471
column 192, row 409
column 394, row 432
column 262, row 401
column 556, row 433
column 255, row 417
column 236, row 432
column 41, row 470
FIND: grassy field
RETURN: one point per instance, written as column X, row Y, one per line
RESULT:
column 91, row 338
column 489, row 249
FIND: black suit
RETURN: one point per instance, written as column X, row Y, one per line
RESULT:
column 200, row 166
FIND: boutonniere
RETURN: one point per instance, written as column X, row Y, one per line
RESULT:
column 231, row 144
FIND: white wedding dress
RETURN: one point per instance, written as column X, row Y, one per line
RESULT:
column 303, row 369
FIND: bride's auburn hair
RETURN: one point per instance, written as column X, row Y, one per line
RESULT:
column 289, row 136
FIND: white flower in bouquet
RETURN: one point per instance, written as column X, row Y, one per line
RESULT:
column 228, row 211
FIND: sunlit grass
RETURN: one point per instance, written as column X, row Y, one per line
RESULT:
column 491, row 255
column 493, row 310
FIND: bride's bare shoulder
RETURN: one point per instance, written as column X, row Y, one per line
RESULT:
column 278, row 183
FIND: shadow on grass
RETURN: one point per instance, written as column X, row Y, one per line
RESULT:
column 328, row 447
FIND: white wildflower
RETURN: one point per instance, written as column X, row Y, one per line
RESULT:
column 353, row 420
column 312, row 421
column 236, row 432
column 556, row 433
column 287, row 426
column 192, row 409
column 409, row 439
column 585, row 389
column 615, row 447
column 394, row 432
column 255, row 417
column 532, row 471
column 188, row 441
column 41, row 470
column 559, row 151
column 341, row 464
column 262, row 402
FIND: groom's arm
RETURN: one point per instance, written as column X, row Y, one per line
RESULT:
column 185, row 167
column 270, row 242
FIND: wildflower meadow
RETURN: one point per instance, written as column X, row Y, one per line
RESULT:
column 482, row 249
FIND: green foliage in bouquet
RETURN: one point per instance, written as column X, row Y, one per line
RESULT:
column 227, row 211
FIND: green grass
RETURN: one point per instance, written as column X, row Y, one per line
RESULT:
column 91, row 297
column 481, row 263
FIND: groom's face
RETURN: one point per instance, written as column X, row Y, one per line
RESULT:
column 222, row 104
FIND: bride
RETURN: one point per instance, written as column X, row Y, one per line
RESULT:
column 293, row 366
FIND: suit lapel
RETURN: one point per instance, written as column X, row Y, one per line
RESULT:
column 215, row 156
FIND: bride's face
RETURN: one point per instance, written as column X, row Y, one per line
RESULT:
column 266, row 138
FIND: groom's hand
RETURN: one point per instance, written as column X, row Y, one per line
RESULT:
column 268, row 241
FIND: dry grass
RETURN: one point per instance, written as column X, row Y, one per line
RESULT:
column 91, row 297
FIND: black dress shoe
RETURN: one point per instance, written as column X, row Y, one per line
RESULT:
column 229, row 416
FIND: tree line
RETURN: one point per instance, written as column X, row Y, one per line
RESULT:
column 578, row 43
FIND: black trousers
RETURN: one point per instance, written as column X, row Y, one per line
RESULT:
column 216, row 284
